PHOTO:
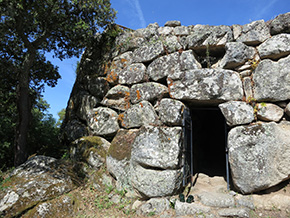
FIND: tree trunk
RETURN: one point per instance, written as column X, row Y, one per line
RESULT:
column 24, row 112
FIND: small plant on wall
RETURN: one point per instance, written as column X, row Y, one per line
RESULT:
column 254, row 63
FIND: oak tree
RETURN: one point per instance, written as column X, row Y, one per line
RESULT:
column 29, row 29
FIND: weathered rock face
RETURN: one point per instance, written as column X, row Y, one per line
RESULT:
column 203, row 35
column 148, row 91
column 63, row 206
column 138, row 115
column 237, row 53
column 148, row 52
column 39, row 179
column 161, row 67
column 276, row 47
column 152, row 183
column 118, row 98
column 170, row 111
column 259, row 155
column 104, row 121
column 269, row 112
column 157, row 147
column 134, row 95
column 280, row 24
column 134, row 73
column 91, row 150
column 254, row 33
column 272, row 80
column 119, row 155
column 155, row 206
column 237, row 112
column 205, row 85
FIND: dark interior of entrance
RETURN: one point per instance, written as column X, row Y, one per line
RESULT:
column 209, row 141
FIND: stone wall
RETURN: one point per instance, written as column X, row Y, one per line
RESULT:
column 132, row 91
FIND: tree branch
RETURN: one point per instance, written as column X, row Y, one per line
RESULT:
column 20, row 32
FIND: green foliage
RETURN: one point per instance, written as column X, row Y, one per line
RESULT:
column 109, row 189
column 28, row 29
column 42, row 136
column 64, row 27
column 151, row 213
column 61, row 115
column 121, row 192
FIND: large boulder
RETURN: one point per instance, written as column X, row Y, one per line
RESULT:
column 151, row 31
column 62, row 207
column 129, row 41
column 138, row 115
column 73, row 130
column 269, row 112
column 164, row 31
column 275, row 47
column 96, row 86
column 172, row 23
column 150, row 183
column 281, row 24
column 204, row 35
column 119, row 156
column 158, row 147
column 118, row 64
column 104, row 121
column 272, row 80
column 118, row 98
column 91, row 150
column 148, row 91
column 181, row 31
column 161, row 67
column 155, row 161
column 206, row 85
column 134, row 73
column 254, row 33
column 237, row 112
column 37, row 180
column 171, row 44
column 237, row 53
column 169, row 64
column 148, row 52
column 188, row 61
column 259, row 155
column 171, row 111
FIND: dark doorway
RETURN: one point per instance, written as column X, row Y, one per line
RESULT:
column 209, row 141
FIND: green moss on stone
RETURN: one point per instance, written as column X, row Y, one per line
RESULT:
column 91, row 143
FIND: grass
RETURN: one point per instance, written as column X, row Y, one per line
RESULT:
column 98, row 202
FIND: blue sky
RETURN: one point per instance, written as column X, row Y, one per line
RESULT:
column 137, row 14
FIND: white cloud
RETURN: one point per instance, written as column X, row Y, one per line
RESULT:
column 137, row 12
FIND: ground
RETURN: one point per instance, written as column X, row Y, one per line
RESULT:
column 95, row 202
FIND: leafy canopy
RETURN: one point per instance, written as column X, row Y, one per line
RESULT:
column 61, row 26
column 29, row 29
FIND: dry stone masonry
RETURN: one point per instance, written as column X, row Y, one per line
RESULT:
column 132, row 90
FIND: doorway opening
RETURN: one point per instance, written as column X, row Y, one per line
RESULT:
column 209, row 141
column 205, row 142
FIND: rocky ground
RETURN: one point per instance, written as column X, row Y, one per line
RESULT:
column 46, row 187
column 108, row 202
